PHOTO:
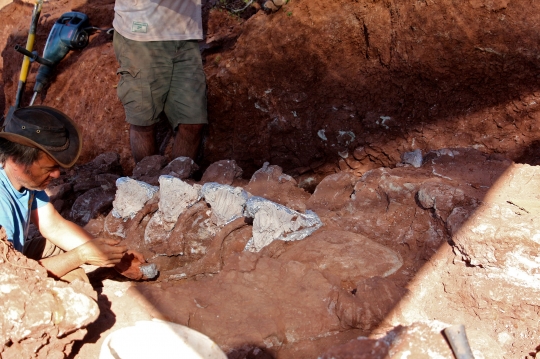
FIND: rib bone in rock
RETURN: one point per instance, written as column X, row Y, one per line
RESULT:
column 131, row 196
column 227, row 202
column 175, row 196
column 273, row 221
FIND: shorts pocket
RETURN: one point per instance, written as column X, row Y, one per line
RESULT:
column 129, row 89
column 135, row 94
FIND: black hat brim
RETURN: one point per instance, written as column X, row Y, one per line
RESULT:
column 65, row 158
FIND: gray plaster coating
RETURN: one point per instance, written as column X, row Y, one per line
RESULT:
column 274, row 221
column 227, row 202
column 131, row 196
column 175, row 196
column 149, row 270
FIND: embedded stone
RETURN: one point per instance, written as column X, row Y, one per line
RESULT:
column 91, row 204
column 180, row 167
column 271, row 183
column 223, row 172
column 149, row 166
column 413, row 158
column 333, row 191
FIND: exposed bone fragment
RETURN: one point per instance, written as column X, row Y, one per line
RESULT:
column 227, row 202
column 175, row 196
column 212, row 262
column 273, row 221
column 157, row 230
column 131, row 196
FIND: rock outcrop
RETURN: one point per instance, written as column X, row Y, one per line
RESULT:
column 373, row 255
column 42, row 317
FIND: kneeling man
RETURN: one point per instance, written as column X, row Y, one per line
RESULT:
column 34, row 143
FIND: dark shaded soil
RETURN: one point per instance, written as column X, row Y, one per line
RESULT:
column 307, row 85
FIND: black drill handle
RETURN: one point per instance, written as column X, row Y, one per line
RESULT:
column 33, row 56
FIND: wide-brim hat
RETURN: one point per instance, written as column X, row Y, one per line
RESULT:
column 45, row 128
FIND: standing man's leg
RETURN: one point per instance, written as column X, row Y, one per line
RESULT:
column 142, row 140
column 187, row 141
column 145, row 75
column 186, row 103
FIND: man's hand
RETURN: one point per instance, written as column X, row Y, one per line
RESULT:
column 79, row 246
column 102, row 252
column 130, row 265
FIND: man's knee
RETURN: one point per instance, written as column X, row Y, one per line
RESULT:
column 77, row 273
column 40, row 248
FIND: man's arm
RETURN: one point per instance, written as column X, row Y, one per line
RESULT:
column 79, row 245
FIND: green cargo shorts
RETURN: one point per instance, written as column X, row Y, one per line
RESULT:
column 158, row 76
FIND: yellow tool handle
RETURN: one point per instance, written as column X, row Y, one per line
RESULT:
column 29, row 46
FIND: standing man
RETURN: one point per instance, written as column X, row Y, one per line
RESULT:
column 34, row 143
column 155, row 43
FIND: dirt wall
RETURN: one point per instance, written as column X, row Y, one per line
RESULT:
column 310, row 83
column 317, row 79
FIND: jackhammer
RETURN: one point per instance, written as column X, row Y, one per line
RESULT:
column 69, row 32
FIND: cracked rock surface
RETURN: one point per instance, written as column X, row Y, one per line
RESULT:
column 42, row 317
column 385, row 257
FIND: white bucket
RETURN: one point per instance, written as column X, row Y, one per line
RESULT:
column 159, row 339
